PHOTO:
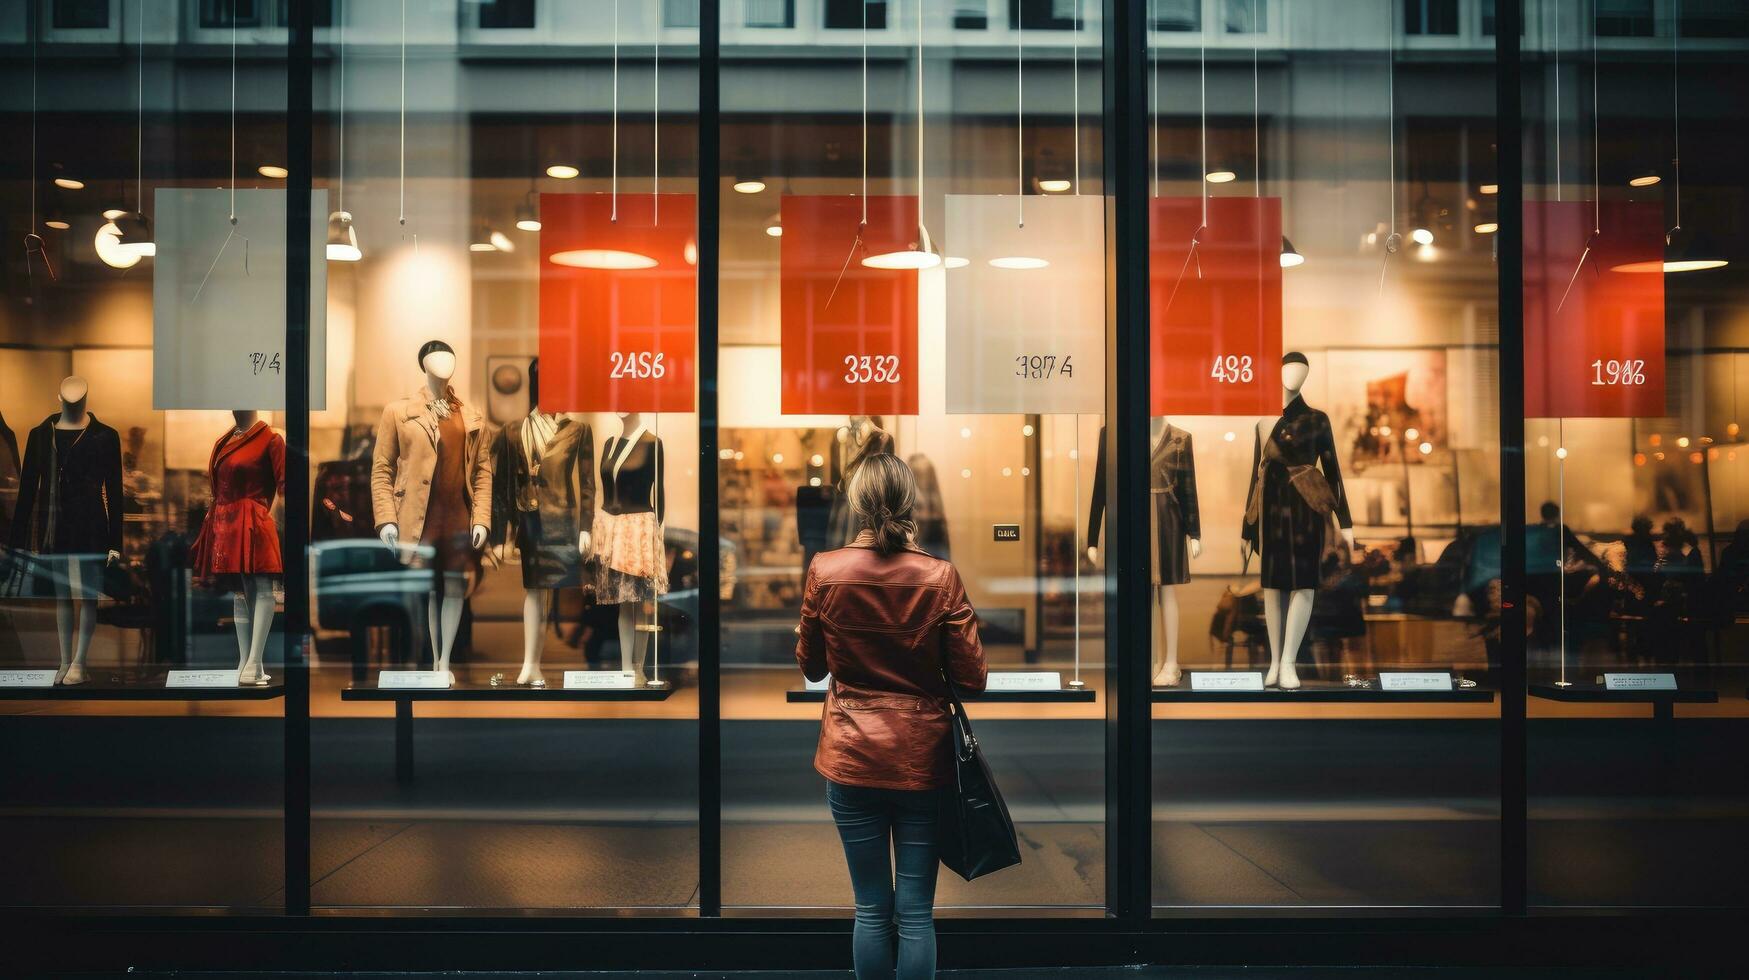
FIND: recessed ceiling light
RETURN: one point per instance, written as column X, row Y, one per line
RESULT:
column 601, row 258
column 1055, row 185
column 1487, row 227
column 1490, row 188
column 1019, row 262
column 1221, row 177
column 272, row 172
column 749, row 186
column 69, row 184
column 562, row 171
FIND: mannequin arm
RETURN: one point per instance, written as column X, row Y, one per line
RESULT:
column 390, row 534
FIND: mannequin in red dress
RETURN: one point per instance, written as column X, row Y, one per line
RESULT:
column 238, row 545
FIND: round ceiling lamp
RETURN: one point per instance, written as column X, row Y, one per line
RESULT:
column 749, row 186
column 1019, row 262
column 342, row 238
column 602, row 258
column 562, row 171
column 109, row 248
column 69, row 184
column 273, row 172
column 1221, row 176
column 921, row 252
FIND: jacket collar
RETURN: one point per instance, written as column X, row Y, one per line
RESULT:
column 229, row 444
column 419, row 412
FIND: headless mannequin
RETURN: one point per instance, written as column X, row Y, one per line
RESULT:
column 1286, row 614
column 252, row 608
column 75, row 613
column 534, row 624
column 443, row 610
column 1168, row 673
column 632, row 647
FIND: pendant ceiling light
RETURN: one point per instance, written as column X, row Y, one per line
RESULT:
column 1020, row 263
column 1290, row 256
column 1393, row 241
column 921, row 252
column 1684, row 249
column 342, row 233
column 134, row 231
column 528, row 214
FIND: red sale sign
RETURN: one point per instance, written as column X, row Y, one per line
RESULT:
column 849, row 331
column 1593, row 309
column 1214, row 294
column 618, row 302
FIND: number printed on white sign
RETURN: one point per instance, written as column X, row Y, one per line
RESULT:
column 260, row 361
column 637, row 364
column 880, row 369
column 1233, row 369
column 1043, row 367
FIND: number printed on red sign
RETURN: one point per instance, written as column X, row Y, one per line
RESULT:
column 1233, row 369
column 637, row 364
column 880, row 369
column 1630, row 372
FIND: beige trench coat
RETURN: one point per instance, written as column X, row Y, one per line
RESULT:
column 406, row 456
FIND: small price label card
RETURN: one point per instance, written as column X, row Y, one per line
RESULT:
column 1226, row 680
column 1399, row 680
column 1639, row 682
column 600, row 680
column 819, row 685
column 412, row 680
column 1025, row 680
column 201, row 678
column 27, row 678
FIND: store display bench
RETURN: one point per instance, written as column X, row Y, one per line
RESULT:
column 403, row 699
column 1067, row 695
column 1317, row 693
column 1663, row 702
column 147, row 686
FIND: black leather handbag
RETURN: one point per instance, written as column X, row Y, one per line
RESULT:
column 977, row 835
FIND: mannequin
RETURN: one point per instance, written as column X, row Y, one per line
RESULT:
column 543, row 500
column 431, row 478
column 858, row 440
column 1177, row 533
column 70, row 507
column 1295, row 491
column 631, row 559
column 238, row 545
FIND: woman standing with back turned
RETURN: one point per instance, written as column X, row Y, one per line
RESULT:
column 885, row 619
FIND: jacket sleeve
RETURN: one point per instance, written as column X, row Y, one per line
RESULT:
column 503, row 507
column 1332, row 471
column 112, row 496
column 482, row 483
column 1187, row 493
column 810, row 638
column 585, row 478
column 1096, row 508
column 661, row 484
column 1250, row 531
column 29, row 486
column 959, row 639
column 276, row 457
column 382, row 469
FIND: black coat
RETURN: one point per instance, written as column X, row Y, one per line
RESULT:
column 639, row 486
column 545, row 505
column 1289, row 535
column 70, row 505
column 1177, row 518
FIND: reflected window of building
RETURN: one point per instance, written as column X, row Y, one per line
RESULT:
column 1430, row 17
column 1246, row 16
column 848, row 14
column 971, row 15
column 1626, row 18
column 81, row 14
column 1178, row 15
column 771, row 13
column 1044, row 15
column 680, row 13
column 506, row 13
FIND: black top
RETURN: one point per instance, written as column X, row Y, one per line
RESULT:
column 638, row 486
column 561, row 479
column 69, row 500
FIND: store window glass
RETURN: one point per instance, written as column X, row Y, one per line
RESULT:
column 504, row 544
column 924, row 290
column 1636, row 495
column 141, row 457
column 1323, row 468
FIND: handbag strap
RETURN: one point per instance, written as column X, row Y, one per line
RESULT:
column 965, row 743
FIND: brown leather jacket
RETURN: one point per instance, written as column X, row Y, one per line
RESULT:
column 882, row 626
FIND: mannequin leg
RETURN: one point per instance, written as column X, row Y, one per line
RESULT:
column 631, row 643
column 65, row 619
column 534, row 634
column 240, row 607
column 260, row 590
column 454, row 590
column 1272, row 621
column 85, row 612
column 1299, row 616
column 1169, row 675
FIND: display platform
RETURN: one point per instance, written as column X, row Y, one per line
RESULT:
column 1326, row 692
column 465, row 690
column 1066, row 695
column 1663, row 702
column 141, row 685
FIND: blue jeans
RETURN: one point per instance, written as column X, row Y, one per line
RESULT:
column 870, row 822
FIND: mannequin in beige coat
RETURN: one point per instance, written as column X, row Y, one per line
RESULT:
column 400, row 483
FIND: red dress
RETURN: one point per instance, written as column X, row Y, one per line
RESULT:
column 239, row 537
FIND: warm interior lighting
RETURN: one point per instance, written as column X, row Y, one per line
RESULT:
column 1644, row 180
column 57, row 224
column 134, row 233
column 273, row 172
column 1019, row 262
column 1487, row 228
column 774, row 230
column 921, row 254
column 482, row 247
column 601, row 258
column 1290, row 256
column 1490, row 188
column 749, row 186
column 527, row 214
column 1221, row 176
column 1421, row 236
column 69, row 184
column 528, row 224
column 501, row 241
column 562, row 171
column 109, row 248
column 956, row 262
column 1055, row 185
column 110, row 214
column 1671, row 265
column 342, row 238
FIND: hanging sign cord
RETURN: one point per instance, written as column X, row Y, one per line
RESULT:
column 656, row 128
column 1019, row 114
column 340, row 203
column 1154, row 68
column 1676, row 117
column 613, row 192
column 140, row 113
column 402, row 218
column 1559, row 189
column 1075, row 75
column 864, row 120
column 1392, row 242
column 1596, row 176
